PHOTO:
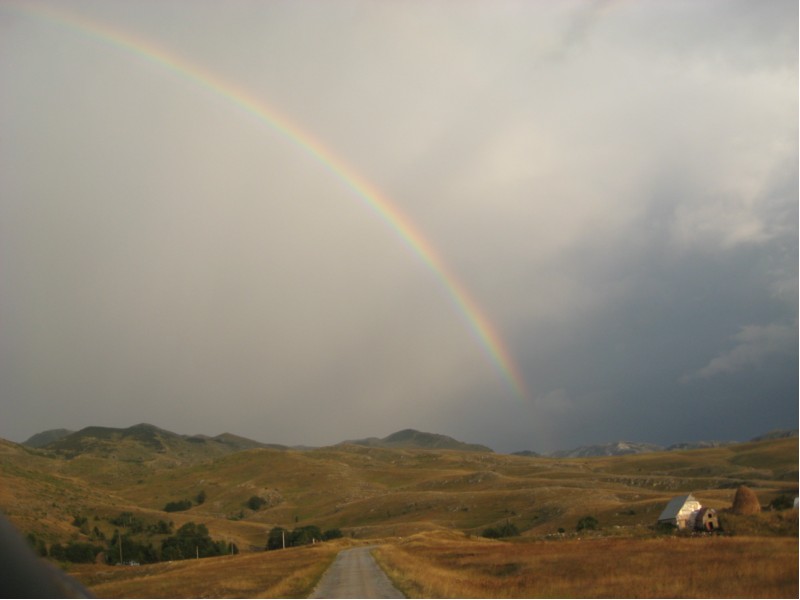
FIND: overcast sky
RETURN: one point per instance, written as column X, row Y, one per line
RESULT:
column 615, row 185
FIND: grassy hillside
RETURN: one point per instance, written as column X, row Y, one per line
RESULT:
column 366, row 491
column 452, row 566
column 86, row 488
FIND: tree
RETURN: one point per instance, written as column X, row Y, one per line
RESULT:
column 162, row 527
column 200, row 498
column 306, row 535
column 131, row 551
column 75, row 552
column 276, row 537
column 190, row 541
column 332, row 534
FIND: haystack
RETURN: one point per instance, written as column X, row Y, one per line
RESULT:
column 745, row 502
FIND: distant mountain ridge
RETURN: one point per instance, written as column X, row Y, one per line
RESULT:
column 144, row 442
column 411, row 438
column 109, row 440
column 622, row 448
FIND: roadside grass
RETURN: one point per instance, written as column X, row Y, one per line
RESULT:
column 452, row 566
column 290, row 573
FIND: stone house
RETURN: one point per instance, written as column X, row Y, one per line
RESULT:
column 682, row 512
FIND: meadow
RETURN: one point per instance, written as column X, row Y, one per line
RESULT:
column 426, row 509
column 453, row 566
column 290, row 573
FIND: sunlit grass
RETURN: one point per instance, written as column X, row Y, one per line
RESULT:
column 437, row 566
column 290, row 573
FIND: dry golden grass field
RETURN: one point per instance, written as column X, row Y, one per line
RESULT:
column 433, row 504
column 452, row 566
column 290, row 573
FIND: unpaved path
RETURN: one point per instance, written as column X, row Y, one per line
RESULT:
column 355, row 574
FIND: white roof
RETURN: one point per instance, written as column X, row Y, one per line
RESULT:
column 674, row 506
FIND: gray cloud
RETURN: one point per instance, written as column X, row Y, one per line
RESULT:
column 753, row 345
column 615, row 183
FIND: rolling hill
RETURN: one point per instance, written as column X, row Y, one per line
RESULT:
column 411, row 438
column 366, row 490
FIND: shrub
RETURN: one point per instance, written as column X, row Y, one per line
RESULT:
column 507, row 530
column 276, row 537
column 782, row 502
column 178, row 505
column 256, row 502
column 587, row 522
column 127, row 519
column 332, row 534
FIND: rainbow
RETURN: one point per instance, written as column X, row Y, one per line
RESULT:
column 372, row 198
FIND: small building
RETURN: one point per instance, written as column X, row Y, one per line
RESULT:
column 706, row 520
column 681, row 512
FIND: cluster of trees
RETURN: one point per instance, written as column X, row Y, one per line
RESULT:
column 279, row 537
column 190, row 541
column 193, row 541
column 76, row 552
column 185, row 504
column 133, row 542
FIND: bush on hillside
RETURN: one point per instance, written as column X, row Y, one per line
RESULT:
column 255, row 502
column 507, row 530
column 587, row 523
column 301, row 536
column 782, row 502
column 178, row 505
column 127, row 519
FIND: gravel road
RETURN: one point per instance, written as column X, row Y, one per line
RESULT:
column 355, row 574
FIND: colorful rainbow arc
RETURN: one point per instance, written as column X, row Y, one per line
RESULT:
column 372, row 197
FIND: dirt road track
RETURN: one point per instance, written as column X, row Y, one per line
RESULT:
column 355, row 574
